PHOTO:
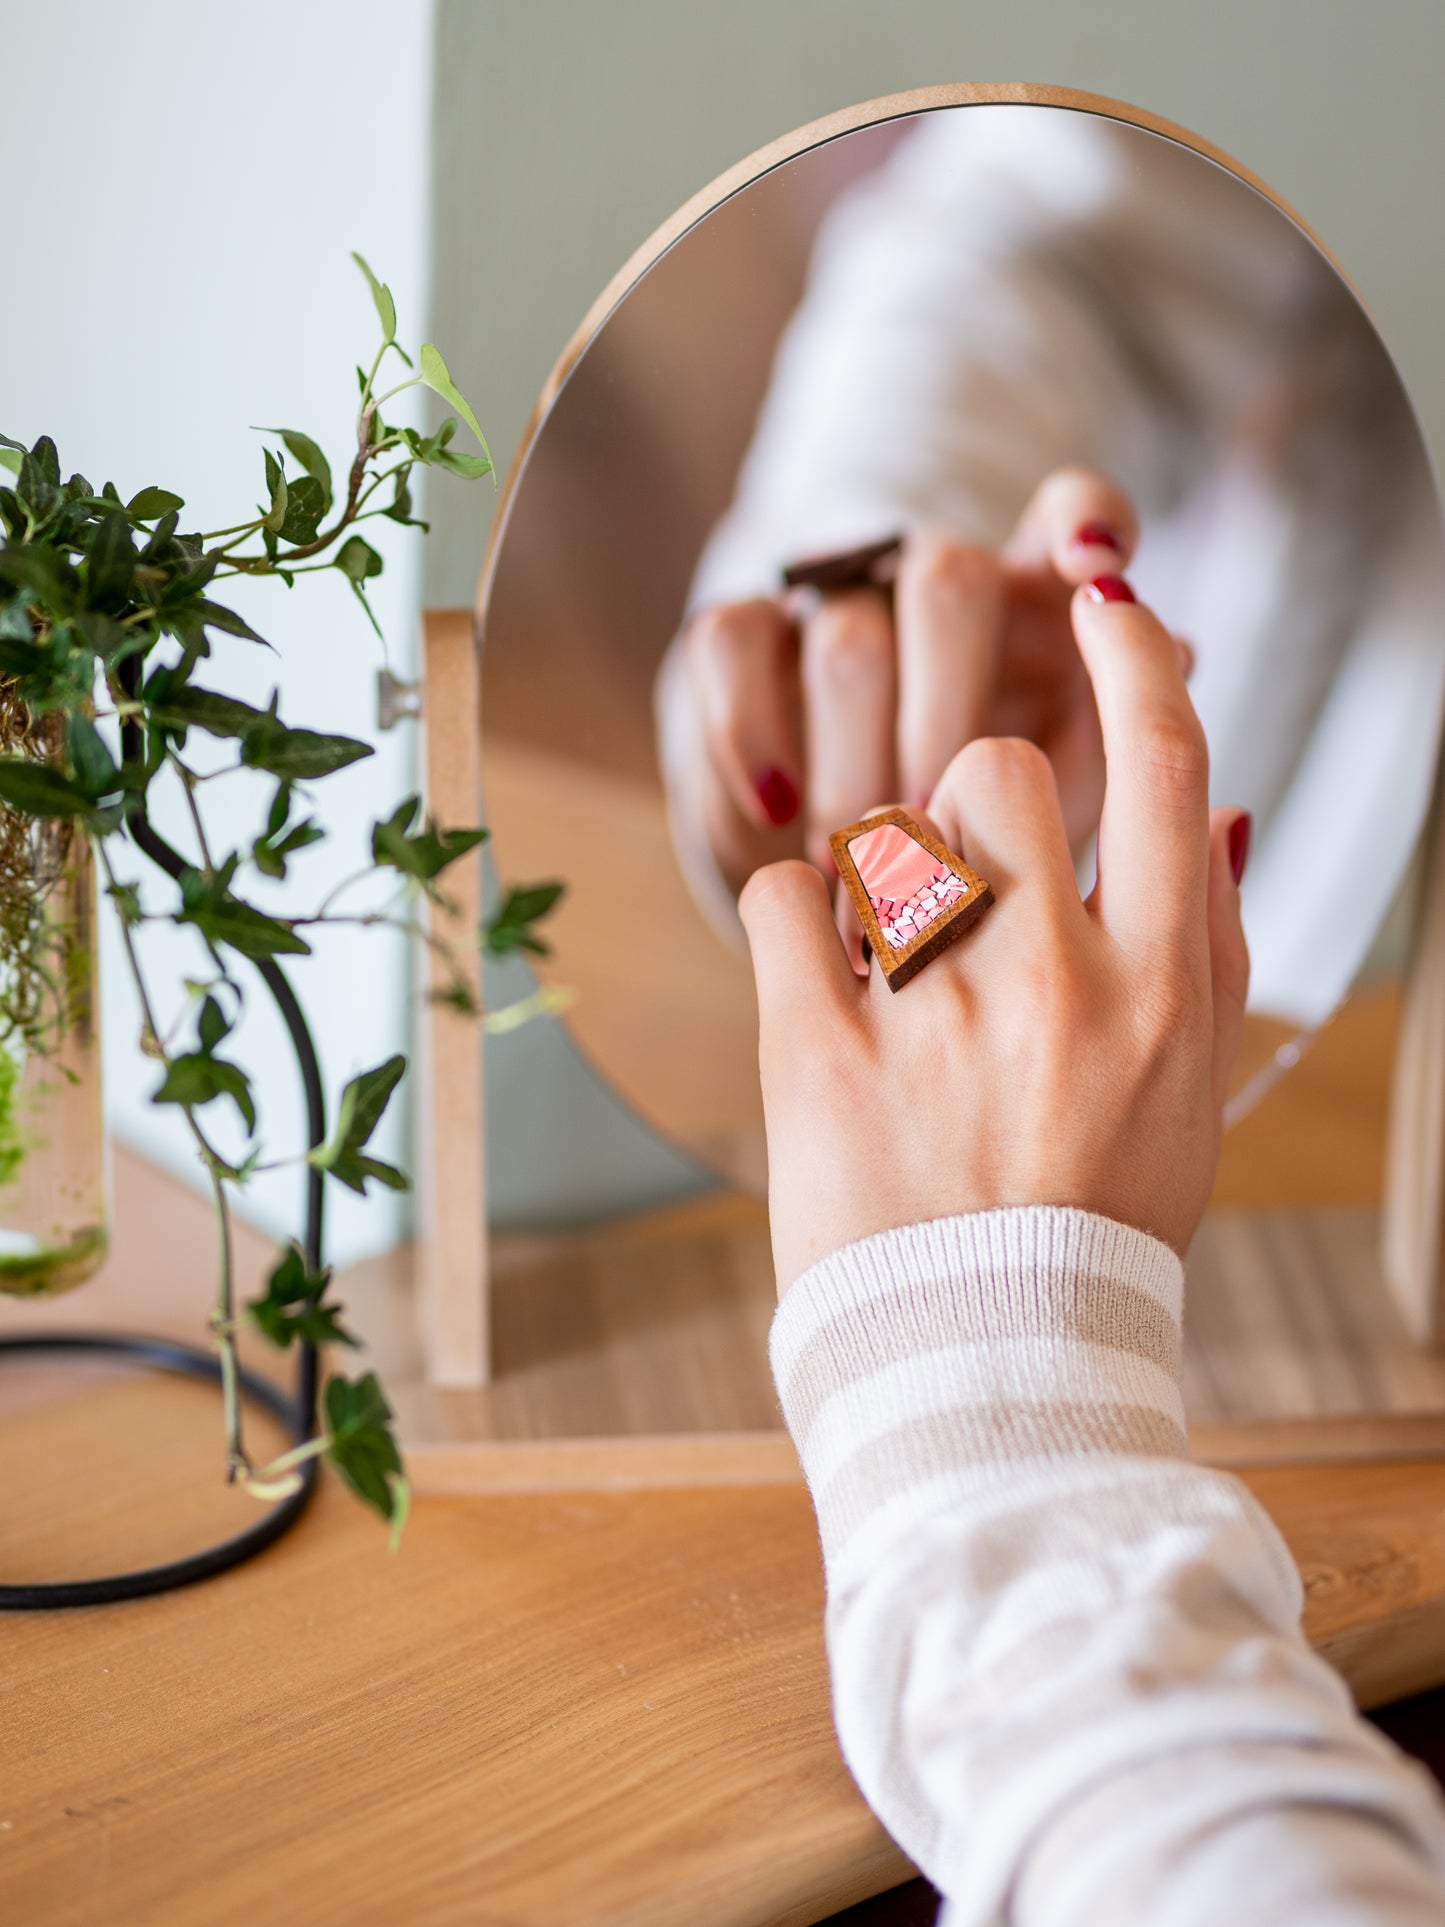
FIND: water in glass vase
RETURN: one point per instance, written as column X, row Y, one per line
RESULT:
column 53, row 1190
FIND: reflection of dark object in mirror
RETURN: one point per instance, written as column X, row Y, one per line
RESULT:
column 872, row 566
column 913, row 896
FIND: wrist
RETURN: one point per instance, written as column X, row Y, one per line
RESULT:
column 943, row 1353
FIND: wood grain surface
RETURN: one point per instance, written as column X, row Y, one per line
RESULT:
column 603, row 1709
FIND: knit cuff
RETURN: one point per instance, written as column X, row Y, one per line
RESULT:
column 920, row 1360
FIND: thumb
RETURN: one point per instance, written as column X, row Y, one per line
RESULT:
column 1229, row 833
column 799, row 963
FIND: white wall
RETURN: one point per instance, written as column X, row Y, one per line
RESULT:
column 184, row 183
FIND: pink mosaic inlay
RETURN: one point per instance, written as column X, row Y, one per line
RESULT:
column 907, row 885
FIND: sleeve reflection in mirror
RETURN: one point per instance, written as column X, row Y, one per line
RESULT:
column 910, row 328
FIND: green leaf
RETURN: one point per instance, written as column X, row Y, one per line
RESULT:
column 15, row 623
column 437, row 376
column 282, row 838
column 198, row 1078
column 42, row 571
column 110, row 560
column 357, row 560
column 381, row 295
column 46, row 460
column 362, row 1447
column 400, row 507
column 126, row 898
column 218, row 715
column 423, row 854
column 11, row 456
column 305, row 451
column 363, row 1101
column 510, row 928
column 222, row 918
column 37, row 790
column 213, row 616
column 471, row 466
column 152, row 502
column 92, row 762
column 297, row 754
column 214, row 1024
column 292, row 1307
column 306, row 503
column 276, row 488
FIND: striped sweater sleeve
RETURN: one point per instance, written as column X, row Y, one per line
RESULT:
column 1067, row 1666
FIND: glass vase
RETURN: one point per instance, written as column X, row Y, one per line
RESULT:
column 53, row 1177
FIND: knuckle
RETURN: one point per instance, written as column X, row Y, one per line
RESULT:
column 1002, row 762
column 1171, row 756
column 773, row 892
column 852, row 646
column 727, row 635
column 945, row 567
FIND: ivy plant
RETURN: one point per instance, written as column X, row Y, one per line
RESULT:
column 111, row 614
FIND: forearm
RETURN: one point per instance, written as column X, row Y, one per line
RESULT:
column 1067, row 1666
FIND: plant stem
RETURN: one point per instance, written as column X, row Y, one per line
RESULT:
column 223, row 1321
column 357, row 876
column 223, row 1331
column 188, row 783
column 298, row 1455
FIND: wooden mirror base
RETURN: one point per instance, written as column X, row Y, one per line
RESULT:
column 632, row 1357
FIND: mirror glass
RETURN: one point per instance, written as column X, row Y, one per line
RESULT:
column 904, row 330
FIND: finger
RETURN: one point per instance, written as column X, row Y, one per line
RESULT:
column 1229, row 834
column 998, row 808
column 1154, row 827
column 845, row 916
column 1075, row 749
column 799, row 963
column 1079, row 524
column 743, row 658
column 949, row 601
column 849, row 690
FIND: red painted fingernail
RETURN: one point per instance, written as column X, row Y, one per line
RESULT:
column 1111, row 588
column 778, row 795
column 1098, row 535
column 1240, row 832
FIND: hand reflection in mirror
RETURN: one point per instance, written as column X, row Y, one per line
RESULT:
column 813, row 708
column 1021, row 330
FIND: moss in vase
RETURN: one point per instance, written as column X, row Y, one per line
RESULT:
column 46, row 1272
column 12, row 1144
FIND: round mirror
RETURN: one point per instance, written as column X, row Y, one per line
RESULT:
column 903, row 323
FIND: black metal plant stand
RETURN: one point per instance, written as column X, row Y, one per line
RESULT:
column 298, row 1412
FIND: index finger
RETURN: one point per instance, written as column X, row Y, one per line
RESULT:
column 1154, row 829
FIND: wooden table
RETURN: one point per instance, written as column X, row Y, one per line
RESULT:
column 547, row 1708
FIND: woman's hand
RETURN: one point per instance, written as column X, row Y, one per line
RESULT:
column 811, row 709
column 1060, row 1052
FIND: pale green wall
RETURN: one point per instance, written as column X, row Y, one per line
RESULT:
column 567, row 129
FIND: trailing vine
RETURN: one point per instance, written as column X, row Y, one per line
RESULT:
column 108, row 616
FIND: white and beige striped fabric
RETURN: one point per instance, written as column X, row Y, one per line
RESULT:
column 1067, row 1666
